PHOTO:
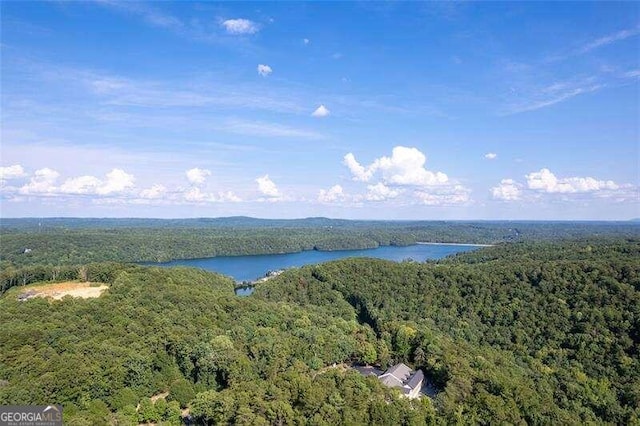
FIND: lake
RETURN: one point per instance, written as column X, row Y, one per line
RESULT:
column 250, row 268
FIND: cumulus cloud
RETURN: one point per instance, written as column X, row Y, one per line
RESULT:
column 545, row 181
column 404, row 167
column 359, row 172
column 306, row 40
column 331, row 195
column 380, row 192
column 229, row 196
column 81, row 185
column 507, row 190
column 490, row 155
column 267, row 187
column 117, row 186
column 197, row 176
column 155, row 192
column 240, row 26
column 264, row 70
column 321, row 111
column 117, row 181
column 42, row 182
column 403, row 176
column 11, row 172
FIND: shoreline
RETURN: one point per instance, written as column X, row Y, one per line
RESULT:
column 424, row 243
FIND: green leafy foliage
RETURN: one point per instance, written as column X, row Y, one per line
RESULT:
column 537, row 333
column 181, row 331
column 524, row 332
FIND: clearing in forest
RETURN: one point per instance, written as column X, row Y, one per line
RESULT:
column 57, row 291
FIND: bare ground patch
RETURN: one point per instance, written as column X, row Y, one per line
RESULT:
column 57, row 291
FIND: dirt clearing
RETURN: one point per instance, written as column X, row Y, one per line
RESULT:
column 57, row 291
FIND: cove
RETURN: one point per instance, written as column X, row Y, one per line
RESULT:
column 250, row 268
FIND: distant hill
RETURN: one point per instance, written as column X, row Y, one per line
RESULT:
column 310, row 222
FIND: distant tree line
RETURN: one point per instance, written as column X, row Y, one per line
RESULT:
column 78, row 241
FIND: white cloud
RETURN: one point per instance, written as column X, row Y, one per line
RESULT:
column 490, row 155
column 380, row 192
column 632, row 73
column 306, row 40
column 448, row 195
column 359, row 172
column 557, row 96
column 81, row 185
column 11, row 172
column 240, row 26
column 331, row 195
column 404, row 167
column 403, row 176
column 196, row 195
column 508, row 190
column 545, row 181
column 321, row 111
column 229, row 196
column 264, row 70
column 197, row 176
column 155, row 192
column 42, row 182
column 117, row 181
column 611, row 38
column 267, row 187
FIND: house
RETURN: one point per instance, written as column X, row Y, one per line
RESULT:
column 401, row 376
column 367, row 370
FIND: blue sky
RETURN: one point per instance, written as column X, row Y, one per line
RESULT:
column 352, row 110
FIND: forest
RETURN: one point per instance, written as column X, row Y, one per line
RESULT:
column 533, row 333
column 528, row 332
column 65, row 241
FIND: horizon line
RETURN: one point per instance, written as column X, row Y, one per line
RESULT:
column 307, row 218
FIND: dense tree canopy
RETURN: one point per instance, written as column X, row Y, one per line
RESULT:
column 184, row 332
column 525, row 332
column 538, row 333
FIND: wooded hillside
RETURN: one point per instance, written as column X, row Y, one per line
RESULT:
column 527, row 332
column 540, row 333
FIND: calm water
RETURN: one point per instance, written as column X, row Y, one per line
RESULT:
column 249, row 268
